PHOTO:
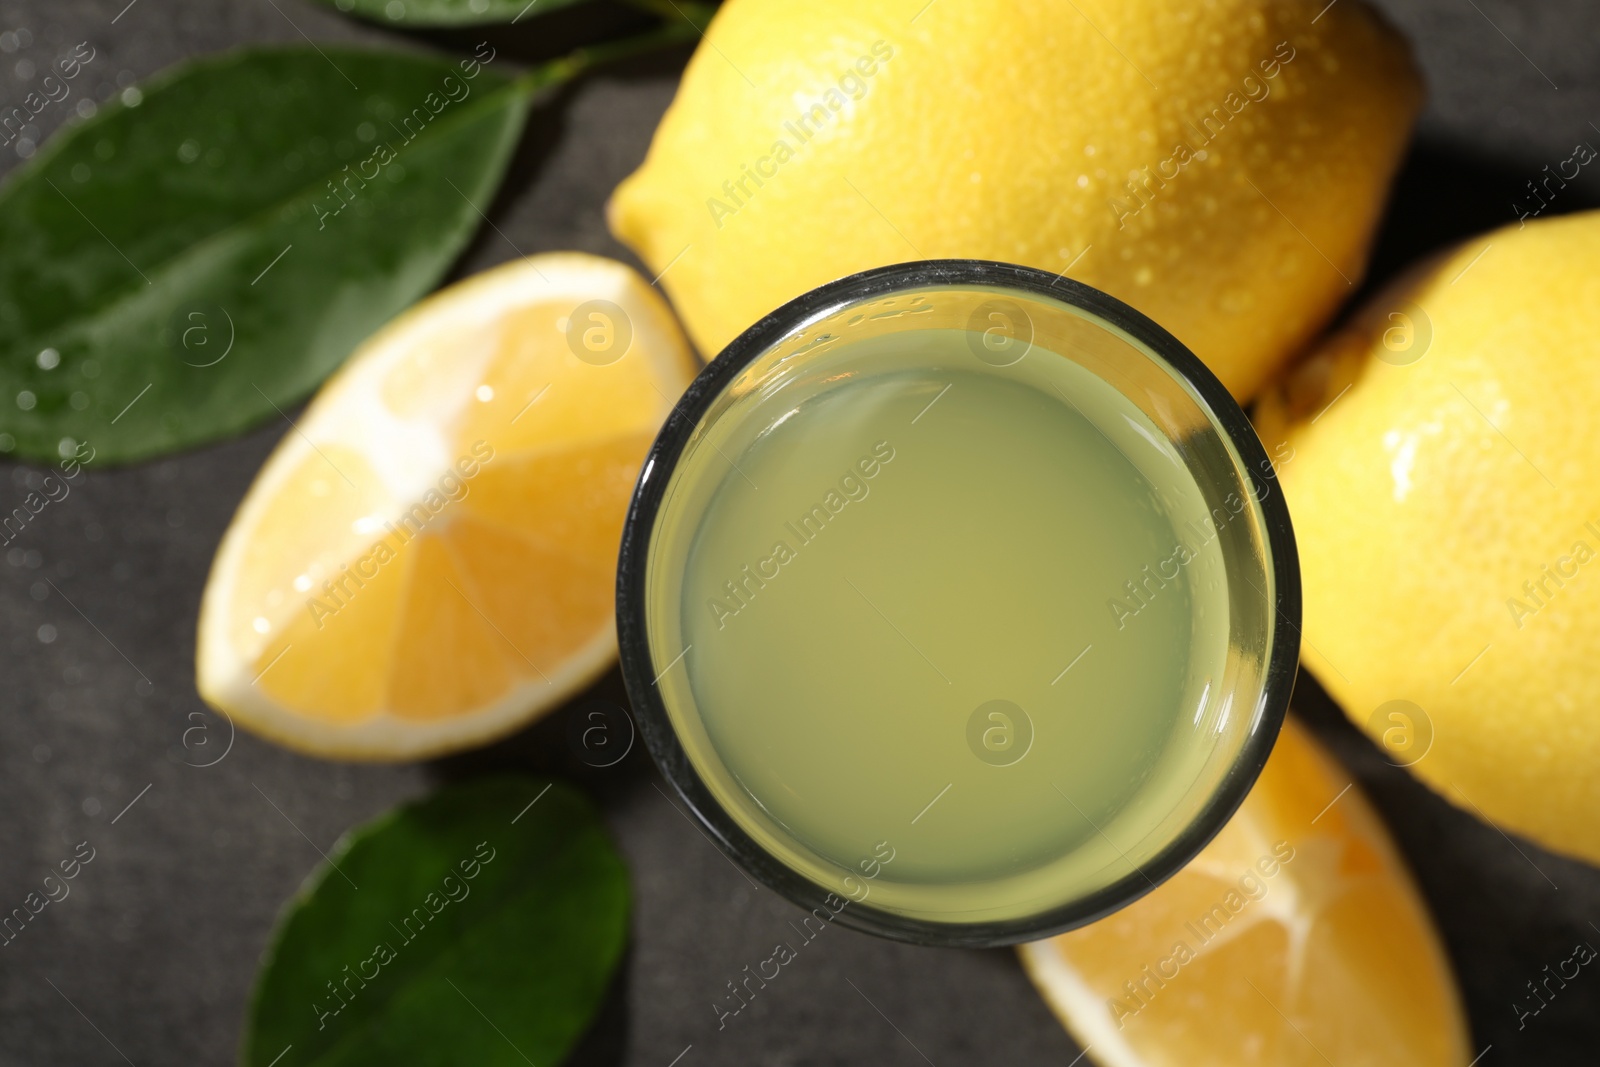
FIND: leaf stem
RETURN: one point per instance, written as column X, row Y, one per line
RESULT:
column 674, row 10
column 681, row 30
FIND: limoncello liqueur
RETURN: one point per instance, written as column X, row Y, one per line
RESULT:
column 949, row 634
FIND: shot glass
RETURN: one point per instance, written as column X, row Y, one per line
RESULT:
column 959, row 603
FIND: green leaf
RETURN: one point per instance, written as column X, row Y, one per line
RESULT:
column 179, row 268
column 446, row 12
column 481, row 925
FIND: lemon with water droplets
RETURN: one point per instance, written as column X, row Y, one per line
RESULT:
column 1439, row 457
column 1218, row 166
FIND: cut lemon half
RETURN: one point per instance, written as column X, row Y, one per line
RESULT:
column 427, row 561
column 1295, row 938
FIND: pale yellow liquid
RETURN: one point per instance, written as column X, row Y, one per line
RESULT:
column 925, row 535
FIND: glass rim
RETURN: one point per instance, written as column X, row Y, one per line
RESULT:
column 654, row 722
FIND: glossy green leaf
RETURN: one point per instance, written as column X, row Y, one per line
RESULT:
column 200, row 255
column 446, row 12
column 479, row 926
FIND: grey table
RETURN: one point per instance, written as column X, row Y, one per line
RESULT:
column 151, row 958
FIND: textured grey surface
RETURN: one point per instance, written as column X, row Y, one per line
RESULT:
column 151, row 957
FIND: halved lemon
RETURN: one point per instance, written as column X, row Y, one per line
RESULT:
column 427, row 560
column 1295, row 938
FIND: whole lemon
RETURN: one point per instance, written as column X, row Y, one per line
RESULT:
column 1439, row 457
column 1219, row 166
